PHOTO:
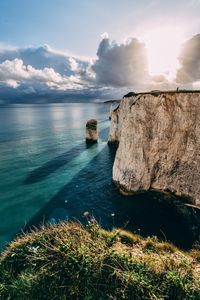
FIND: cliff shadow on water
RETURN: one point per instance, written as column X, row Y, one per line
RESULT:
column 93, row 191
column 48, row 168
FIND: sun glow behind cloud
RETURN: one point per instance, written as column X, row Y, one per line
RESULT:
column 158, row 59
column 163, row 48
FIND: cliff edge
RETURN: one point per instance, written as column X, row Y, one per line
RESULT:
column 159, row 143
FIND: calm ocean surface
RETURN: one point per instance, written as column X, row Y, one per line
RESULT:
column 47, row 173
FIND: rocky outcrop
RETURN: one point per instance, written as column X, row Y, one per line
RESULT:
column 91, row 131
column 159, row 144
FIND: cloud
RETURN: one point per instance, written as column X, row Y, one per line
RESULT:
column 121, row 65
column 117, row 69
column 14, row 73
column 42, row 70
column 44, row 75
column 42, row 57
column 189, row 71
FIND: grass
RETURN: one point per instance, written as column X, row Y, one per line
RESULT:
column 68, row 261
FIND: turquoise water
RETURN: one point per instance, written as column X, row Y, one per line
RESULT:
column 50, row 140
column 47, row 173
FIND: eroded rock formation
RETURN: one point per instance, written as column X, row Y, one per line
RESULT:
column 92, row 131
column 159, row 144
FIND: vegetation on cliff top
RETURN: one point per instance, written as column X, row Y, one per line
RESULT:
column 67, row 261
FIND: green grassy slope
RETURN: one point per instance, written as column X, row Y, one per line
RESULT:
column 67, row 261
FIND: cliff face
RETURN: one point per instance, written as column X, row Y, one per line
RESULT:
column 159, row 143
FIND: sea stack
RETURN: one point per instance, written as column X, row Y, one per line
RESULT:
column 91, row 131
column 159, row 141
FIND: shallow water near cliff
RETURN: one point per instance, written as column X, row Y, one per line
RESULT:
column 48, row 173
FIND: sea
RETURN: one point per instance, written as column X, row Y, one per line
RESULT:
column 49, row 174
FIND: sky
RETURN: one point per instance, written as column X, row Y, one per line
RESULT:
column 97, row 47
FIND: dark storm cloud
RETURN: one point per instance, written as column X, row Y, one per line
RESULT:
column 190, row 61
column 121, row 65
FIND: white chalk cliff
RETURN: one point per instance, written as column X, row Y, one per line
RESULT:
column 159, row 143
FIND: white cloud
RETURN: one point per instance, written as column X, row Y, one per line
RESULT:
column 12, row 83
column 190, row 61
column 42, row 57
column 105, row 35
column 14, row 73
column 44, row 71
column 73, row 64
column 121, row 65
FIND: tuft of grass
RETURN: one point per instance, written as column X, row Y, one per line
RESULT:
column 152, row 244
column 68, row 261
column 127, row 237
column 195, row 253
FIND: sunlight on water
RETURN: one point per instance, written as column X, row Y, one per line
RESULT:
column 32, row 136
